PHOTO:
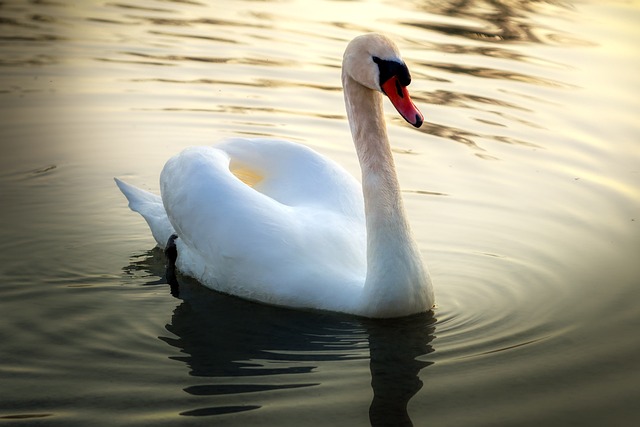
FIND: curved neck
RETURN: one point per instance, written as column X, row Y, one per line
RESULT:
column 384, row 210
column 396, row 282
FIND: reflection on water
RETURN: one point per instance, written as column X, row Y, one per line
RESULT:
column 531, row 136
column 280, row 347
column 396, row 349
column 491, row 73
column 504, row 21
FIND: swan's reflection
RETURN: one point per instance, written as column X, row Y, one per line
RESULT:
column 226, row 338
column 395, row 347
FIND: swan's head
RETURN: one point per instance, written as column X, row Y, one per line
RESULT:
column 374, row 61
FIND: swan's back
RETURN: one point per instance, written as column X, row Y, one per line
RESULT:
column 294, row 175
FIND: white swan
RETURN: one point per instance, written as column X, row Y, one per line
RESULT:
column 276, row 222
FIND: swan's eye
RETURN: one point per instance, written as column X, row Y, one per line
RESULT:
column 390, row 68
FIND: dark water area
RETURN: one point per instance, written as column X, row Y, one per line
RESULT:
column 522, row 188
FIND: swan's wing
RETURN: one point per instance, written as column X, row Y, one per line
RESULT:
column 150, row 206
column 211, row 209
column 294, row 175
column 243, row 241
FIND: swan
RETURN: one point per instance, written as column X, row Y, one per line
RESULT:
column 276, row 222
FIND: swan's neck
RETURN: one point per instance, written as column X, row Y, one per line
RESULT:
column 397, row 282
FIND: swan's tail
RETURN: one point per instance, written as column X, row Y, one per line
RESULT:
column 150, row 206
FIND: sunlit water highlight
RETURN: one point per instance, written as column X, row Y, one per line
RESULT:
column 522, row 189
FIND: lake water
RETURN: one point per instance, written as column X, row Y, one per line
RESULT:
column 522, row 187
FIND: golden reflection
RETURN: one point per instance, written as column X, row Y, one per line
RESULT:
column 506, row 19
column 257, row 83
column 141, row 8
column 463, row 100
column 243, row 109
column 469, row 138
column 448, row 132
column 170, row 59
column 492, row 73
column 176, row 22
column 211, row 38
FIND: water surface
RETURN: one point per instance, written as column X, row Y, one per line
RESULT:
column 522, row 187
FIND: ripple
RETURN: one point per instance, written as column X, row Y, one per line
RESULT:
column 140, row 8
column 478, row 317
column 24, row 416
column 217, row 39
column 497, row 22
column 493, row 73
column 219, row 410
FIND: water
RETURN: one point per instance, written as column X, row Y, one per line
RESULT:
column 523, row 189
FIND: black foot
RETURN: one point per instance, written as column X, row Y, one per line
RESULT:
column 171, row 252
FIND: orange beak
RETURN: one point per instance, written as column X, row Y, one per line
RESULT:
column 399, row 97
